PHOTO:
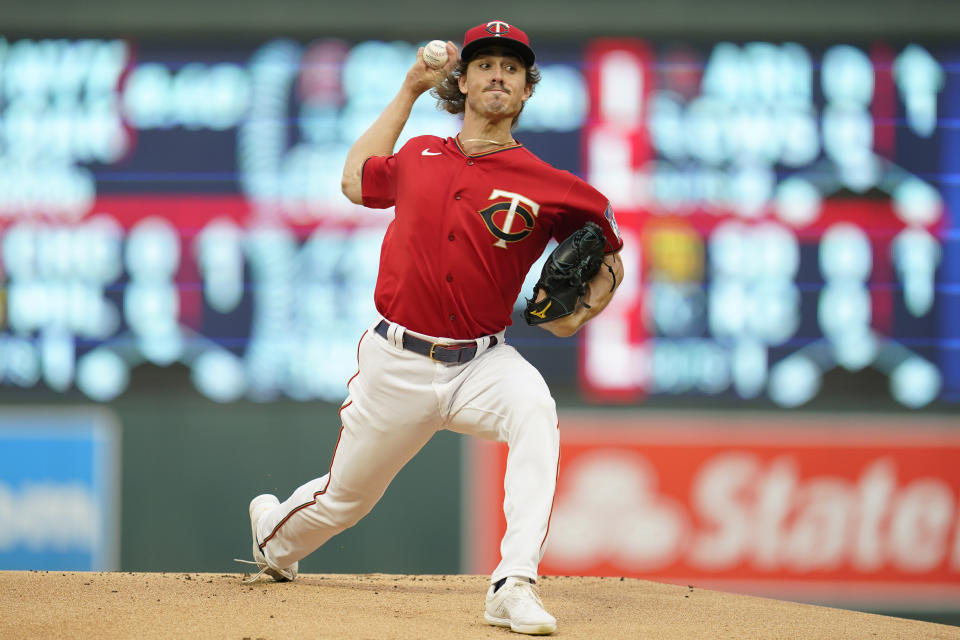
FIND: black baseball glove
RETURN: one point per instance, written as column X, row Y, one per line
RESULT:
column 565, row 275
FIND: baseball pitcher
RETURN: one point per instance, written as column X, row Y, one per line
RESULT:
column 472, row 213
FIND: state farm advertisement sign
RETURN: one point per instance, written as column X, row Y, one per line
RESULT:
column 860, row 508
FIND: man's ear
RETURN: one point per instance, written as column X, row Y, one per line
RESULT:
column 462, row 83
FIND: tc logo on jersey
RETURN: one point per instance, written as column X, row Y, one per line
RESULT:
column 506, row 227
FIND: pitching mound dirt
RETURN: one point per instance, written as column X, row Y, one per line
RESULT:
column 204, row 605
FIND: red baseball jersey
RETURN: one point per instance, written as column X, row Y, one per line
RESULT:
column 466, row 230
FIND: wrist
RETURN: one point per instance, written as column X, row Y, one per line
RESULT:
column 413, row 90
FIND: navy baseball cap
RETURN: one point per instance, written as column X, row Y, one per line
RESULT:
column 497, row 33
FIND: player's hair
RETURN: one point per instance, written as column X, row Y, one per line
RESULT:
column 452, row 100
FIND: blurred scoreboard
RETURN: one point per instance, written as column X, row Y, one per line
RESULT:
column 788, row 210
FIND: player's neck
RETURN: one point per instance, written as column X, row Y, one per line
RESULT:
column 482, row 141
column 487, row 136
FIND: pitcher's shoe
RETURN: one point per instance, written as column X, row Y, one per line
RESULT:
column 517, row 605
column 259, row 506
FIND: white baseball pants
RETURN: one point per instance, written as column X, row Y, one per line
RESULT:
column 396, row 402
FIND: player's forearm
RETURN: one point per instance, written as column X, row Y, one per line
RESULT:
column 382, row 135
column 600, row 292
column 378, row 140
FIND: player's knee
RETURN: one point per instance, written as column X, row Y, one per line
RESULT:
column 536, row 417
column 539, row 407
column 530, row 394
column 353, row 517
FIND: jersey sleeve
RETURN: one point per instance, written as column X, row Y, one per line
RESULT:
column 584, row 204
column 379, row 182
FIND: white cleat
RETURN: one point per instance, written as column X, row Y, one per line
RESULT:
column 517, row 605
column 259, row 506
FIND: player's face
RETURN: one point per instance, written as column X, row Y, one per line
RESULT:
column 495, row 84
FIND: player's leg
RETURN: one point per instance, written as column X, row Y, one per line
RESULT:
column 390, row 414
column 503, row 397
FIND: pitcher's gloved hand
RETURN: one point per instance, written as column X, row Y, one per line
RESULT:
column 568, row 269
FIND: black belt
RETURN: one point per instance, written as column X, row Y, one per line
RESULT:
column 456, row 353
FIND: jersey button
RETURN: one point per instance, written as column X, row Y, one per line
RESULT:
column 450, row 237
column 449, row 278
column 470, row 162
column 456, row 197
column 453, row 316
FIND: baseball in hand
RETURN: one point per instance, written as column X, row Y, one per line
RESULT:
column 435, row 53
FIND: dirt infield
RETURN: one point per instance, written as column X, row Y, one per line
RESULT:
column 206, row 605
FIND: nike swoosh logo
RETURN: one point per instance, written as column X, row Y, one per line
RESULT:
column 427, row 152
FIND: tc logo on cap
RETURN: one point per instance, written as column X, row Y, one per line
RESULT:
column 498, row 28
column 497, row 33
